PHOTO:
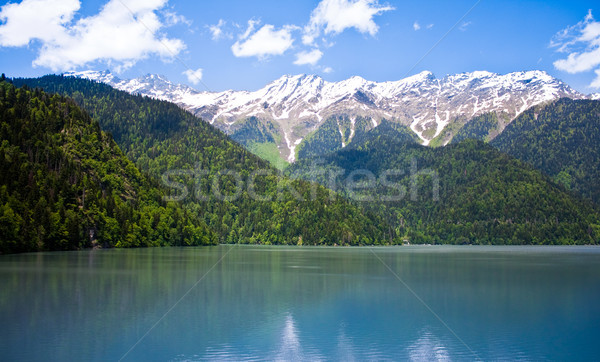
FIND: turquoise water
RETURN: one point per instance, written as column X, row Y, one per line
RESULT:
column 280, row 303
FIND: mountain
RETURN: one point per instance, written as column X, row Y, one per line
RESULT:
column 435, row 109
column 484, row 128
column 462, row 193
column 66, row 185
column 562, row 139
column 465, row 193
column 238, row 195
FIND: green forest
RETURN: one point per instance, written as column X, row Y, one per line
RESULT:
column 331, row 134
column 66, row 185
column 561, row 139
column 85, row 165
column 468, row 193
column 159, row 136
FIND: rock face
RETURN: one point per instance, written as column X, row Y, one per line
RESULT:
column 296, row 106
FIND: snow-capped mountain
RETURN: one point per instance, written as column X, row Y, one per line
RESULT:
column 298, row 105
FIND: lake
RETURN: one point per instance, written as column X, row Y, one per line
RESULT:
column 298, row 303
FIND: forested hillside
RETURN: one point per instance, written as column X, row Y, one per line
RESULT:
column 159, row 137
column 484, row 196
column 483, row 128
column 66, row 185
column 339, row 132
column 561, row 139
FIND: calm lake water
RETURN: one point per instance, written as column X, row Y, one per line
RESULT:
column 280, row 303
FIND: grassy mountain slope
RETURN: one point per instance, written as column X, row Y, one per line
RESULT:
column 65, row 184
column 261, row 138
column 159, row 137
column 563, row 140
column 484, row 196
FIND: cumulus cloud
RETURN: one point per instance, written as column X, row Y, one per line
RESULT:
column 327, row 70
column 311, row 57
column 172, row 18
column 193, row 76
column 121, row 34
column 217, row 32
column 42, row 20
column 264, row 42
column 332, row 17
column 582, row 44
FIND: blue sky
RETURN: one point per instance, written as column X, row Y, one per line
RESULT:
column 227, row 44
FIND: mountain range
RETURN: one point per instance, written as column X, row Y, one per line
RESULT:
column 534, row 183
column 292, row 109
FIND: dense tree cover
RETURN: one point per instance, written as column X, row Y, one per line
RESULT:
column 401, row 134
column 160, row 137
column 483, row 128
column 65, row 184
column 332, row 135
column 325, row 139
column 562, row 139
column 484, row 196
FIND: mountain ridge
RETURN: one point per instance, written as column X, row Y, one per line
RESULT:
column 433, row 108
column 465, row 193
column 238, row 195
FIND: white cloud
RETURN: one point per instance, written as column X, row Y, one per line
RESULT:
column 42, row 20
column 252, row 24
column 586, row 30
column 311, row 57
column 217, row 32
column 582, row 44
column 172, row 18
column 335, row 16
column 417, row 26
column 193, row 76
column 464, row 26
column 264, row 42
column 327, row 70
column 579, row 62
column 122, row 33
column 596, row 82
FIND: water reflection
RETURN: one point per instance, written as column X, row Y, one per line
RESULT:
column 301, row 304
column 290, row 348
column 428, row 348
column 345, row 349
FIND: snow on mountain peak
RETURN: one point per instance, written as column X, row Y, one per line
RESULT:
column 99, row 76
column 299, row 104
column 481, row 74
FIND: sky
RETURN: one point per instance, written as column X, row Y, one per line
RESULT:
column 245, row 44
